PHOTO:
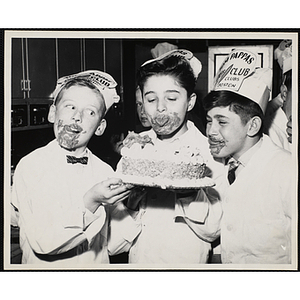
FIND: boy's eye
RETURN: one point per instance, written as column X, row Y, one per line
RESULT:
column 70, row 106
column 222, row 122
column 151, row 99
column 90, row 112
column 171, row 98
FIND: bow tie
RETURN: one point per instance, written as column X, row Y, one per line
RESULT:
column 75, row 160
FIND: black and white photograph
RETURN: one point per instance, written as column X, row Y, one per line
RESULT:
column 151, row 150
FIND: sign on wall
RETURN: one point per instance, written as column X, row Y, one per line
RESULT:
column 217, row 54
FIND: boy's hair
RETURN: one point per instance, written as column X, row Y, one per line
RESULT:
column 79, row 82
column 239, row 104
column 287, row 79
column 172, row 65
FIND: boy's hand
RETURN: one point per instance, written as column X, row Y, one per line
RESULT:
column 106, row 192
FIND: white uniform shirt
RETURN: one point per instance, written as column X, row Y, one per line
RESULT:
column 167, row 229
column 48, row 193
column 256, row 222
column 277, row 131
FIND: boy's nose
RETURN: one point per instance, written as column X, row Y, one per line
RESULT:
column 211, row 130
column 161, row 105
column 77, row 116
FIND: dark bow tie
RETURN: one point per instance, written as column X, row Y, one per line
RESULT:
column 75, row 160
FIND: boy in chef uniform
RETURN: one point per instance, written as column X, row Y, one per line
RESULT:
column 61, row 191
column 256, row 221
column 163, row 226
column 279, row 110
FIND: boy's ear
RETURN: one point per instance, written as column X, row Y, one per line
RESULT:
column 192, row 102
column 254, row 126
column 51, row 114
column 283, row 92
column 100, row 129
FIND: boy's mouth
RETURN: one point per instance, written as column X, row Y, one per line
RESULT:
column 73, row 128
column 144, row 119
column 161, row 120
column 68, row 135
column 215, row 145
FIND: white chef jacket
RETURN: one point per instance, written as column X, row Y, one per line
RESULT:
column 256, row 222
column 48, row 195
column 277, row 131
column 167, row 228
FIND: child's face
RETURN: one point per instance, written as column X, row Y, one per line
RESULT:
column 77, row 116
column 287, row 104
column 140, row 109
column 226, row 133
column 166, row 104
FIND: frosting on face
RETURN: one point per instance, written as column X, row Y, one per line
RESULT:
column 215, row 145
column 164, row 124
column 68, row 135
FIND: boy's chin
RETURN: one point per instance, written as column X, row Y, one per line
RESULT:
column 216, row 155
column 67, row 147
column 70, row 145
column 217, row 152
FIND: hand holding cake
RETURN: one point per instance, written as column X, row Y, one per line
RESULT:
column 106, row 192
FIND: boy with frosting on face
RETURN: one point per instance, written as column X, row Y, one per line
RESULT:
column 257, row 182
column 159, row 225
column 61, row 191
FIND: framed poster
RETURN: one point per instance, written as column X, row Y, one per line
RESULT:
column 217, row 54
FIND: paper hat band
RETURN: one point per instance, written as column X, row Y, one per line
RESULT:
column 283, row 55
column 186, row 54
column 101, row 80
column 239, row 73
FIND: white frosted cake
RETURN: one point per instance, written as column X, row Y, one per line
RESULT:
column 172, row 167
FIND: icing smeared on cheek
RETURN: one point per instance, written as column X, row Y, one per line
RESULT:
column 68, row 135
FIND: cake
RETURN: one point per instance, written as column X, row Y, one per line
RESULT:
column 173, row 166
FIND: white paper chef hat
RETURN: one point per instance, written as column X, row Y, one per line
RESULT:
column 162, row 48
column 186, row 54
column 283, row 55
column 240, row 74
column 101, row 80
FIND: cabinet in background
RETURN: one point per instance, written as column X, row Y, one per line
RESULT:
column 33, row 68
column 69, row 56
column 37, row 63
column 33, row 80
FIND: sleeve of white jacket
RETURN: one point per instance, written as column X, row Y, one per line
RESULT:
column 49, row 228
column 202, row 214
column 125, row 226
